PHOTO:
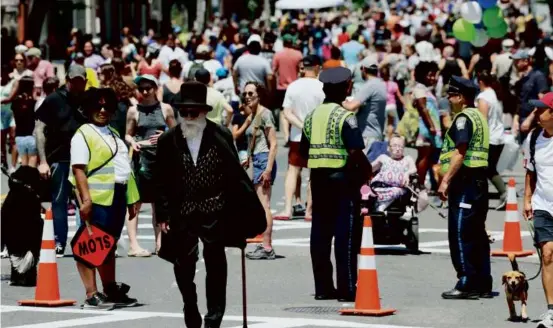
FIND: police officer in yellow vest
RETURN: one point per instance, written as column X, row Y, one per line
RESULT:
column 464, row 160
column 333, row 144
column 101, row 173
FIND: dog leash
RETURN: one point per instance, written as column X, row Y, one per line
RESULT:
column 530, row 225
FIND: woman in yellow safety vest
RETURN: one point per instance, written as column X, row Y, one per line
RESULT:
column 106, row 186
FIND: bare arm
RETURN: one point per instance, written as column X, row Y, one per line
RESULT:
column 228, row 109
column 483, row 107
column 400, row 97
column 529, row 188
column 441, row 65
column 269, row 80
column 13, row 93
column 463, row 67
column 169, row 115
column 272, row 148
column 352, row 105
column 40, row 140
column 79, row 171
column 131, row 125
column 420, row 105
column 526, row 126
column 235, row 76
column 412, row 167
column 377, row 164
column 237, row 131
column 292, row 118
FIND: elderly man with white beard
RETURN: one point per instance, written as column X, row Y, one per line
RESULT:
column 202, row 193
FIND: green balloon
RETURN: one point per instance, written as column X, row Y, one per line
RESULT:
column 499, row 31
column 463, row 30
column 352, row 28
column 492, row 17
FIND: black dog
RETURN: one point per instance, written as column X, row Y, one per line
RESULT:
column 22, row 225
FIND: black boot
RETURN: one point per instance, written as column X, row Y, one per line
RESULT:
column 117, row 293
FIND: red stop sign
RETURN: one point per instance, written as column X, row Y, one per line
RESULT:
column 92, row 249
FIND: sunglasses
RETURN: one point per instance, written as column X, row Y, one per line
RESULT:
column 189, row 113
column 142, row 89
column 248, row 94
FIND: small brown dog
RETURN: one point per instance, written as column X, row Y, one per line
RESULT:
column 516, row 289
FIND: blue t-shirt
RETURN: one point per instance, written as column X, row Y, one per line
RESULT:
column 220, row 53
column 350, row 51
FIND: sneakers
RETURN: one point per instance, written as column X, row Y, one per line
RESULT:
column 260, row 253
column 117, row 294
column 60, row 250
column 98, row 301
column 546, row 320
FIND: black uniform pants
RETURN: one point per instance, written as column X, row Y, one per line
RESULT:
column 468, row 240
column 334, row 216
column 216, row 281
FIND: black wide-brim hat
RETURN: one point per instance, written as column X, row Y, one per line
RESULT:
column 96, row 98
column 192, row 95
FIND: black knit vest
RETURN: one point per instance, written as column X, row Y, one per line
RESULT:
column 203, row 183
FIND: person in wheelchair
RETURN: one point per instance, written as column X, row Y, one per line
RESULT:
column 394, row 171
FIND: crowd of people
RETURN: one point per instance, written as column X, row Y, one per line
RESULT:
column 257, row 78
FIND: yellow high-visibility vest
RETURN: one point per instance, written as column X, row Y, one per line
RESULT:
column 323, row 128
column 101, row 181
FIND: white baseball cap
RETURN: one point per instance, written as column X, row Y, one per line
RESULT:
column 254, row 38
column 202, row 49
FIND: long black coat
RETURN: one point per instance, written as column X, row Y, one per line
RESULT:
column 243, row 215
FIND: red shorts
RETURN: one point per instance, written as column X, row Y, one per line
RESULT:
column 294, row 156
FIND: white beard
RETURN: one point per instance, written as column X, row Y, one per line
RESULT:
column 191, row 129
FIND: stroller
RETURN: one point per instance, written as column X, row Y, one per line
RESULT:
column 22, row 225
column 396, row 223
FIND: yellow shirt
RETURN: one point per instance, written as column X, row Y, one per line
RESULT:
column 91, row 79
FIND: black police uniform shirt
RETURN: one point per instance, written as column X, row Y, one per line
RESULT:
column 351, row 137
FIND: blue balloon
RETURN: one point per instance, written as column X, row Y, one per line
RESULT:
column 485, row 4
column 479, row 26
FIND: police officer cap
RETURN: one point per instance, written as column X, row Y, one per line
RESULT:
column 335, row 75
column 463, row 86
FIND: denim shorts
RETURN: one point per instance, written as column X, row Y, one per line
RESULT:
column 112, row 218
column 543, row 226
column 7, row 117
column 260, row 161
column 26, row 145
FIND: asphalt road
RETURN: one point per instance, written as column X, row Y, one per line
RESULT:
column 280, row 292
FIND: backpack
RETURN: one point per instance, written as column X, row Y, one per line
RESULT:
column 193, row 69
column 533, row 138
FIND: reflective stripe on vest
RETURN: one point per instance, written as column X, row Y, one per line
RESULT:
column 478, row 147
column 323, row 128
column 101, row 183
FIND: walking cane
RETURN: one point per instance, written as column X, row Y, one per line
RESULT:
column 244, row 302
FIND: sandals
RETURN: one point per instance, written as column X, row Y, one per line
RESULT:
column 140, row 253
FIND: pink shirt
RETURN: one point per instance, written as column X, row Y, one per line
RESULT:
column 286, row 65
column 391, row 90
column 44, row 70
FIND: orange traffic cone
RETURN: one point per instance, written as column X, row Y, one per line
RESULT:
column 512, row 240
column 367, row 299
column 258, row 239
column 47, row 292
